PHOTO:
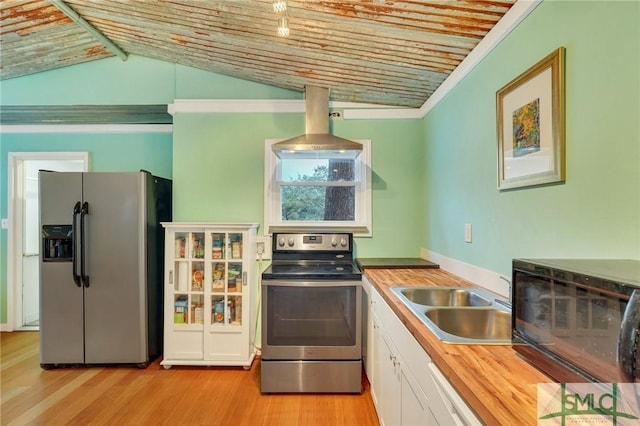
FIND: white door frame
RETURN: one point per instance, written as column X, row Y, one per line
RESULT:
column 15, row 215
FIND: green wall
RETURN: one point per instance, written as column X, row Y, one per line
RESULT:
column 105, row 82
column 218, row 172
column 596, row 213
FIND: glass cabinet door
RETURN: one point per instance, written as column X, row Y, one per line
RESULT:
column 226, row 278
column 189, row 276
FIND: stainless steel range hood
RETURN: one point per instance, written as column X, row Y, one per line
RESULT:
column 317, row 142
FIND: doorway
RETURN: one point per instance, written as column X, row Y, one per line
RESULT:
column 23, row 255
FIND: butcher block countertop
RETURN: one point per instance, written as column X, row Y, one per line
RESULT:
column 495, row 382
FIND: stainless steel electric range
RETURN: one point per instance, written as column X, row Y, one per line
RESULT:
column 311, row 315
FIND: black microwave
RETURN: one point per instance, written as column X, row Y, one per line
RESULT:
column 578, row 320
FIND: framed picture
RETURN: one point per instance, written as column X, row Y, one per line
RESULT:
column 530, row 125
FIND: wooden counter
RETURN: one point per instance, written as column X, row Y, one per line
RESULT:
column 496, row 383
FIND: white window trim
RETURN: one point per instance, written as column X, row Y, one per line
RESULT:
column 272, row 221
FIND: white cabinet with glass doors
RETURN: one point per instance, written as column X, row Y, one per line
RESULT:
column 210, row 294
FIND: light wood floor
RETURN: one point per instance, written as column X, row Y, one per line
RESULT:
column 155, row 396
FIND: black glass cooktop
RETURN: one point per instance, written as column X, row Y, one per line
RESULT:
column 313, row 271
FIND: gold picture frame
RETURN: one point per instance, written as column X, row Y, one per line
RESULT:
column 531, row 125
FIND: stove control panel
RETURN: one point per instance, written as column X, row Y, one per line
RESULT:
column 312, row 242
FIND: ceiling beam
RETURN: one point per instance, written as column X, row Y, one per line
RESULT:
column 75, row 17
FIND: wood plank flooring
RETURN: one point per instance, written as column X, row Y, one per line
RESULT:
column 155, row 396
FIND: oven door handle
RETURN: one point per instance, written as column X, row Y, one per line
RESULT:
column 629, row 340
column 302, row 283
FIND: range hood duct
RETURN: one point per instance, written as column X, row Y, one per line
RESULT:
column 317, row 142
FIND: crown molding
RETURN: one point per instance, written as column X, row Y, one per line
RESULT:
column 86, row 128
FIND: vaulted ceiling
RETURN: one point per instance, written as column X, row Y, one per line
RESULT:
column 384, row 52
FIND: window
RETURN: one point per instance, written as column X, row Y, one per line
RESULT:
column 318, row 193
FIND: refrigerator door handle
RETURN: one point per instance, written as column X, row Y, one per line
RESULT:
column 83, row 213
column 75, row 252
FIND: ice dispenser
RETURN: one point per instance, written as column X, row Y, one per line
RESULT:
column 57, row 243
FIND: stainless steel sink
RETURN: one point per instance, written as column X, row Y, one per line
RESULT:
column 463, row 315
column 435, row 296
column 487, row 324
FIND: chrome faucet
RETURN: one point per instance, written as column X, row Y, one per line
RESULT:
column 505, row 303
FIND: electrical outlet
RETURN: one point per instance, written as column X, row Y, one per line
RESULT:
column 467, row 232
column 5, row 223
column 335, row 115
column 263, row 248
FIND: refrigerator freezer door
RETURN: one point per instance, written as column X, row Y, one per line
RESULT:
column 115, row 300
column 61, row 300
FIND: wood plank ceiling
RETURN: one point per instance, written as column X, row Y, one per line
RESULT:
column 384, row 52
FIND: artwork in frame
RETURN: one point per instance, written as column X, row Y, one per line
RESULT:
column 530, row 125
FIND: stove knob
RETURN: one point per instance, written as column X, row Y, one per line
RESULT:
column 343, row 242
column 334, row 243
column 281, row 242
column 290, row 242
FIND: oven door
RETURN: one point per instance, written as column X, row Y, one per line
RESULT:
column 311, row 320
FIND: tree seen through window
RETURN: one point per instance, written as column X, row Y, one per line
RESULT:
column 320, row 200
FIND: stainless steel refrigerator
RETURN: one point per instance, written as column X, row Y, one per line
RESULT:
column 101, row 267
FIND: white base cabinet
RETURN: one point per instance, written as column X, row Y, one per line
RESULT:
column 406, row 386
column 387, row 372
column 210, row 294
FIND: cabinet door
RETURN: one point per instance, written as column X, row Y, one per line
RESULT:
column 414, row 404
column 376, row 363
column 387, row 379
column 184, row 295
column 226, row 332
column 226, row 280
column 189, row 278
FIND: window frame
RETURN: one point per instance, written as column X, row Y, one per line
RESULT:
column 360, row 227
